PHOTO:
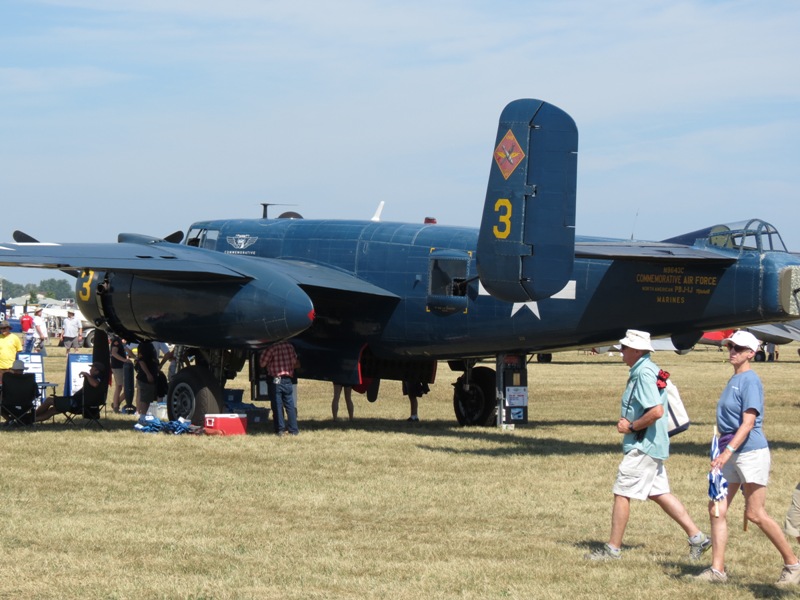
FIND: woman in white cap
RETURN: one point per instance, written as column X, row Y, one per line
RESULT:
column 744, row 461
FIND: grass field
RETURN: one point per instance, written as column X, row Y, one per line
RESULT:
column 382, row 508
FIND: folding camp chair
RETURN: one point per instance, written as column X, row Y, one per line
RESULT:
column 91, row 405
column 93, row 401
column 19, row 393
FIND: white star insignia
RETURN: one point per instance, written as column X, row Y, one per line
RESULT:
column 568, row 293
column 531, row 306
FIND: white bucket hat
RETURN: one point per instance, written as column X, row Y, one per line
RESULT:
column 638, row 340
column 743, row 338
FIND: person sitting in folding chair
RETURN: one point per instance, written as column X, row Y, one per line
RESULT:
column 55, row 405
column 19, row 392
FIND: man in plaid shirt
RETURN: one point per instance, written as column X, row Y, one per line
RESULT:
column 280, row 361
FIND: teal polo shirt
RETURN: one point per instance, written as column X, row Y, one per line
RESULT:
column 640, row 394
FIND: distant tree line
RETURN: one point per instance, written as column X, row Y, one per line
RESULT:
column 60, row 289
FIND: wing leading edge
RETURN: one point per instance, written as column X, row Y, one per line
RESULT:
column 155, row 259
column 159, row 260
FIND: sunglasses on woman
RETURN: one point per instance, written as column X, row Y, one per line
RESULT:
column 738, row 349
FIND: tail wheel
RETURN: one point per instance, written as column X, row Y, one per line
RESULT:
column 192, row 395
column 475, row 403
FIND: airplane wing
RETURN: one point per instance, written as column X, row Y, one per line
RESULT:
column 157, row 258
column 313, row 275
column 714, row 338
column 649, row 251
column 247, row 301
column 154, row 258
column 777, row 333
column 659, row 345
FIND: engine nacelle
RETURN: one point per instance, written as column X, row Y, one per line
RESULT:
column 218, row 313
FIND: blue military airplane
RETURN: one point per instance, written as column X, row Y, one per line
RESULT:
column 372, row 300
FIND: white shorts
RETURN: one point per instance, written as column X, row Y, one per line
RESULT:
column 641, row 476
column 748, row 467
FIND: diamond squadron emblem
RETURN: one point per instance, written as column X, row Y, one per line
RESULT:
column 508, row 154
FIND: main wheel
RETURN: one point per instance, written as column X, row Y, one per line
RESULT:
column 545, row 358
column 88, row 341
column 192, row 395
column 475, row 404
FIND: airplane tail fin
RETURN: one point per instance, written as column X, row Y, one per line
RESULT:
column 526, row 244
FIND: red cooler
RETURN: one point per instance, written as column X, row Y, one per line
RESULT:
column 226, row 424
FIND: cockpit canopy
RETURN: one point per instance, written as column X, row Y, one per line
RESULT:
column 753, row 234
column 202, row 237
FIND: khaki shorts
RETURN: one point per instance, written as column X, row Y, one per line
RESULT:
column 119, row 376
column 792, row 523
column 72, row 342
column 749, row 467
column 641, row 476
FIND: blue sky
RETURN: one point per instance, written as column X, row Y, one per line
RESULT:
column 145, row 115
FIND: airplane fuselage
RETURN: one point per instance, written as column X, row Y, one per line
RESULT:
column 442, row 312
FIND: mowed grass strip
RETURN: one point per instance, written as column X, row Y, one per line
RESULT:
column 382, row 508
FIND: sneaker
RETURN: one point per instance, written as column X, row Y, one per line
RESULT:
column 710, row 575
column 789, row 576
column 697, row 550
column 604, row 553
column 413, row 418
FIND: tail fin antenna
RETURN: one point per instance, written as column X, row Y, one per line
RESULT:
column 377, row 215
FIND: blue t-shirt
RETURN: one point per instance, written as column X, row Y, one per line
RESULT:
column 744, row 391
column 640, row 394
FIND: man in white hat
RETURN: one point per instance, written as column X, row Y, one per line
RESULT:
column 645, row 444
column 39, row 332
column 72, row 331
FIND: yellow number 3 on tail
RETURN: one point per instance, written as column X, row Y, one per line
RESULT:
column 503, row 228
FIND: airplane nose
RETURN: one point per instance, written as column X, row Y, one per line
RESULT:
column 298, row 311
